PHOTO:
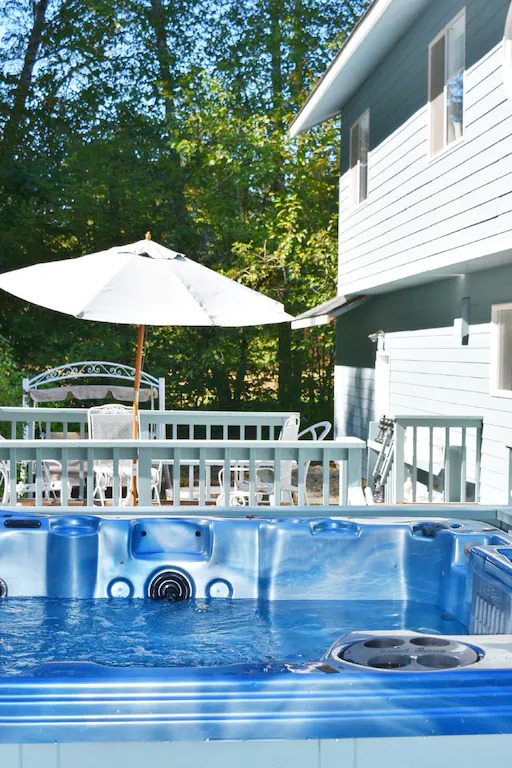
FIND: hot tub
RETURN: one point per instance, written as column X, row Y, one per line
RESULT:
column 193, row 630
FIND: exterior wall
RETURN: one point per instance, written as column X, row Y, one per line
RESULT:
column 431, row 372
column 425, row 306
column 439, row 751
column 423, row 214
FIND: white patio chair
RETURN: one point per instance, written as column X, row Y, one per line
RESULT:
column 114, row 422
column 51, row 480
column 318, row 431
column 239, row 496
column 265, row 471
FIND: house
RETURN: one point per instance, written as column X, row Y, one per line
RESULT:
column 424, row 301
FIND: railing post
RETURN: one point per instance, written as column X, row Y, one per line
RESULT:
column 12, row 477
column 176, row 479
column 227, row 477
column 478, row 463
column 277, row 478
column 398, row 464
column 64, row 484
column 89, row 491
column 343, row 479
column 463, row 471
column 325, row 478
column 355, row 476
column 144, row 475
column 202, row 477
column 301, row 479
column 252, row 478
column 39, row 477
column 116, row 484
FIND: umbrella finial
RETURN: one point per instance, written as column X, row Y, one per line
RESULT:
column 148, row 235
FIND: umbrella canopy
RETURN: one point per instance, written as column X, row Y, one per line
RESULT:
column 143, row 284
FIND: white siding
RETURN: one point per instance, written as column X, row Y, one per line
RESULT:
column 432, row 373
column 423, row 214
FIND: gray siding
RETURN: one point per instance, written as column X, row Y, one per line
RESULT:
column 353, row 396
column 424, row 214
column 431, row 371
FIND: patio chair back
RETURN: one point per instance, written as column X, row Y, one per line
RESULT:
column 289, row 433
column 318, row 431
column 110, row 422
column 115, row 422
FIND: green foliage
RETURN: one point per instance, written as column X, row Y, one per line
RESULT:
column 10, row 377
column 147, row 114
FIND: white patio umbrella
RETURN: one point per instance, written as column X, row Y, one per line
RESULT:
column 143, row 283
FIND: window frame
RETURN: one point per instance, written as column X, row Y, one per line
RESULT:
column 444, row 33
column 495, row 351
column 355, row 171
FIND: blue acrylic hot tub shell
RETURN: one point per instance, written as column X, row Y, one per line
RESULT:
column 457, row 565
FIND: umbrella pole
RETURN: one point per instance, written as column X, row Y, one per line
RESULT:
column 136, row 391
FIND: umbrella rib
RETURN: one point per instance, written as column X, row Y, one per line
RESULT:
column 113, row 286
column 190, row 292
column 114, row 274
column 175, row 274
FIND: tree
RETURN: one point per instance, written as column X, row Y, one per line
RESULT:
column 127, row 115
column 18, row 111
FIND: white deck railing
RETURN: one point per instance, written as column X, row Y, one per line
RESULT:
column 45, row 422
column 199, row 454
column 440, row 455
column 42, row 422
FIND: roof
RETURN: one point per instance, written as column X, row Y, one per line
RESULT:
column 374, row 35
column 327, row 311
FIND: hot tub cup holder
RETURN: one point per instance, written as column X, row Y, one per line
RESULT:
column 418, row 653
column 430, row 528
column 384, row 642
column 430, row 642
column 81, row 525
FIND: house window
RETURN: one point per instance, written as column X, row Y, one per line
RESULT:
column 447, row 61
column 501, row 350
column 359, row 147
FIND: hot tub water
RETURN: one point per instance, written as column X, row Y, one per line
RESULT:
column 196, row 633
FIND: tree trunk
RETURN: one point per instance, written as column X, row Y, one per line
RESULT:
column 14, row 126
column 222, row 387
column 241, row 372
column 183, row 229
column 275, row 47
column 276, row 11
column 298, row 52
column 166, row 61
column 287, row 374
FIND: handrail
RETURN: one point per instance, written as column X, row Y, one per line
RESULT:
column 264, row 423
column 457, row 422
column 347, row 452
